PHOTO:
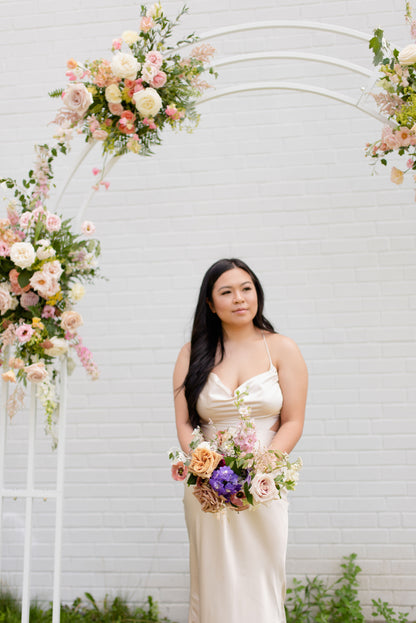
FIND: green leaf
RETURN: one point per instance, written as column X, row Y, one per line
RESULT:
column 192, row 479
column 24, row 278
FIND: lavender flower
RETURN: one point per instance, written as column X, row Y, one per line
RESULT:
column 225, row 482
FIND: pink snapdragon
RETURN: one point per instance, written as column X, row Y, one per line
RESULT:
column 116, row 44
column 84, row 354
column 172, row 112
column 150, row 123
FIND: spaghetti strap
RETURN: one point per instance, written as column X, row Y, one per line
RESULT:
column 267, row 348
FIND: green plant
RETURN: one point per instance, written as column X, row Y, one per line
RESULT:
column 110, row 611
column 314, row 601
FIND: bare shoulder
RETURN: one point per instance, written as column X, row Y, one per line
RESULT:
column 283, row 349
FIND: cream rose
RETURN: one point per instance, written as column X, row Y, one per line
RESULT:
column 5, row 298
column 36, row 373
column 59, row 347
column 125, row 66
column 147, row 102
column 408, row 55
column 77, row 98
column 77, row 292
column 203, row 462
column 113, row 94
column 44, row 250
column 22, row 254
column 130, row 36
column 71, row 320
column 263, row 488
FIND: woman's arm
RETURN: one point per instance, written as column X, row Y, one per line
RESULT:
column 183, row 425
column 293, row 381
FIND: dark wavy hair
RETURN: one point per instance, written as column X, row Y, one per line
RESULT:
column 207, row 332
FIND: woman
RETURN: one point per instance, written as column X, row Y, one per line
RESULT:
column 237, row 564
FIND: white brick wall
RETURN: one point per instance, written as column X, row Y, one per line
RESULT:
column 279, row 179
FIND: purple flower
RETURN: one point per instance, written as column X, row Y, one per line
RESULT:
column 225, row 482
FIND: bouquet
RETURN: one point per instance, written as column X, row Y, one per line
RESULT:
column 397, row 100
column 232, row 470
column 43, row 265
column 125, row 102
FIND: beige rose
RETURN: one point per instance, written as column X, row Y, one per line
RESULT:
column 113, row 94
column 125, row 66
column 59, row 346
column 408, row 55
column 77, row 98
column 204, row 461
column 130, row 36
column 5, row 297
column 147, row 102
column 36, row 373
column 209, row 500
column 22, row 254
column 396, row 176
column 71, row 320
column 263, row 488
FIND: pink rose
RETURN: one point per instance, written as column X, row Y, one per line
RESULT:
column 29, row 299
column 159, row 80
column 155, row 58
column 78, row 99
column 53, row 222
column 54, row 268
column 24, row 332
column 263, row 488
column 100, row 135
column 116, row 109
column 146, row 24
column 71, row 320
column 94, row 125
column 36, row 373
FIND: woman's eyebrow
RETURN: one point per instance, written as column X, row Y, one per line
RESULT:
column 229, row 287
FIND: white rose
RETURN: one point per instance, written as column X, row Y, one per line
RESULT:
column 125, row 66
column 77, row 98
column 408, row 55
column 77, row 292
column 263, row 488
column 22, row 254
column 147, row 102
column 44, row 250
column 130, row 36
column 60, row 347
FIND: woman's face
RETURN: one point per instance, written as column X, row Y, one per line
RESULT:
column 234, row 297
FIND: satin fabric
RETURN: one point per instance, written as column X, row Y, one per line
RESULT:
column 237, row 561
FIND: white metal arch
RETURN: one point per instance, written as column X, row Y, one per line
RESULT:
column 29, row 493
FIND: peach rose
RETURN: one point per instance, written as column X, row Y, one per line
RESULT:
column 9, row 376
column 71, row 320
column 396, row 176
column 204, row 461
column 36, row 373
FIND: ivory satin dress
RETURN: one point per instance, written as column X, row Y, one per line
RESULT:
column 237, row 561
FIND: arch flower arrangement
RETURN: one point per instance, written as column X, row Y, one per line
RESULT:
column 43, row 265
column 396, row 100
column 127, row 101
column 125, row 104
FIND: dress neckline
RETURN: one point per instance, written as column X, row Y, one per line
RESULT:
column 271, row 369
